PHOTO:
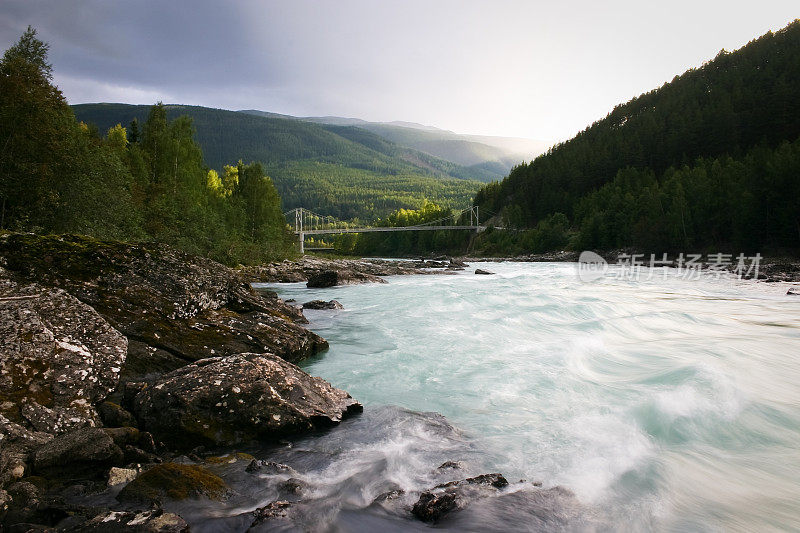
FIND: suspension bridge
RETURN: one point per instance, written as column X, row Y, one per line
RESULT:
column 307, row 222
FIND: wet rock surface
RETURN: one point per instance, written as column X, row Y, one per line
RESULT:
column 173, row 481
column 187, row 306
column 154, row 521
column 234, row 399
column 436, row 503
column 271, row 511
column 322, row 304
column 91, row 332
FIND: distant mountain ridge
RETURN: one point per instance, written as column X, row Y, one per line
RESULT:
column 495, row 155
column 343, row 171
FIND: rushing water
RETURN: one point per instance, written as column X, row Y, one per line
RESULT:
column 664, row 404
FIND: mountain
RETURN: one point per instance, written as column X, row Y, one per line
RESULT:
column 711, row 159
column 335, row 170
column 484, row 154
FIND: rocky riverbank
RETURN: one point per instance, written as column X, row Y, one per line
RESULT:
column 770, row 269
column 132, row 377
column 116, row 357
column 319, row 272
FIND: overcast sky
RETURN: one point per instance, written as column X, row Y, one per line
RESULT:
column 536, row 69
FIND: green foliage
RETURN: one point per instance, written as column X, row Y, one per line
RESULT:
column 409, row 242
column 688, row 164
column 349, row 194
column 49, row 165
column 721, row 202
column 60, row 176
column 346, row 172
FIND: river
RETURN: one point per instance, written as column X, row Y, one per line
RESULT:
column 664, row 404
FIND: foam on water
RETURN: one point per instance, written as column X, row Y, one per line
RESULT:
column 669, row 403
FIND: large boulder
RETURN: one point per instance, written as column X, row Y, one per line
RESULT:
column 186, row 306
column 173, row 481
column 16, row 446
column 84, row 451
column 322, row 304
column 323, row 279
column 58, row 358
column 235, row 399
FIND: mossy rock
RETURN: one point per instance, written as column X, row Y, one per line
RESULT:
column 77, row 257
column 229, row 459
column 175, row 482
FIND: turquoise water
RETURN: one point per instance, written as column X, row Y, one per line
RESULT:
column 668, row 404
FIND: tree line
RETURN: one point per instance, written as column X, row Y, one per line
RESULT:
column 707, row 160
column 346, row 172
column 144, row 182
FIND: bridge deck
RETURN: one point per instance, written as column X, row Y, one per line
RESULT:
column 399, row 228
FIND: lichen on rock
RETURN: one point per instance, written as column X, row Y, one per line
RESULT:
column 236, row 399
column 58, row 358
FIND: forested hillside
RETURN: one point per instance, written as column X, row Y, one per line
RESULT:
column 479, row 156
column 709, row 159
column 340, row 171
column 148, row 182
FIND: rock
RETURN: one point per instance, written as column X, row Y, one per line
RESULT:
column 226, row 401
column 134, row 454
column 123, row 436
column 322, row 304
column 292, row 486
column 79, row 452
column 321, row 280
column 118, row 476
column 349, row 271
column 230, row 458
column 495, row 480
column 554, row 509
column 269, row 468
column 171, row 302
column 59, row 357
column 483, row 272
column 431, row 507
column 16, row 445
column 113, row 415
column 23, row 495
column 450, row 465
column 442, row 499
column 5, row 500
column 389, row 496
column 276, row 509
column 174, row 482
column 153, row 521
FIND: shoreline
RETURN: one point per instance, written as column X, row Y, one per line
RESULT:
column 373, row 270
column 136, row 376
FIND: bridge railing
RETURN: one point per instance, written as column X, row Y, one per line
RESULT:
column 306, row 222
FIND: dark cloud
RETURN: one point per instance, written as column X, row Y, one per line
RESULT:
column 529, row 68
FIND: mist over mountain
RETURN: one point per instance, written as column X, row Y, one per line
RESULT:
column 494, row 155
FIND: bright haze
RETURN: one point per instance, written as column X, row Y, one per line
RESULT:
column 533, row 69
